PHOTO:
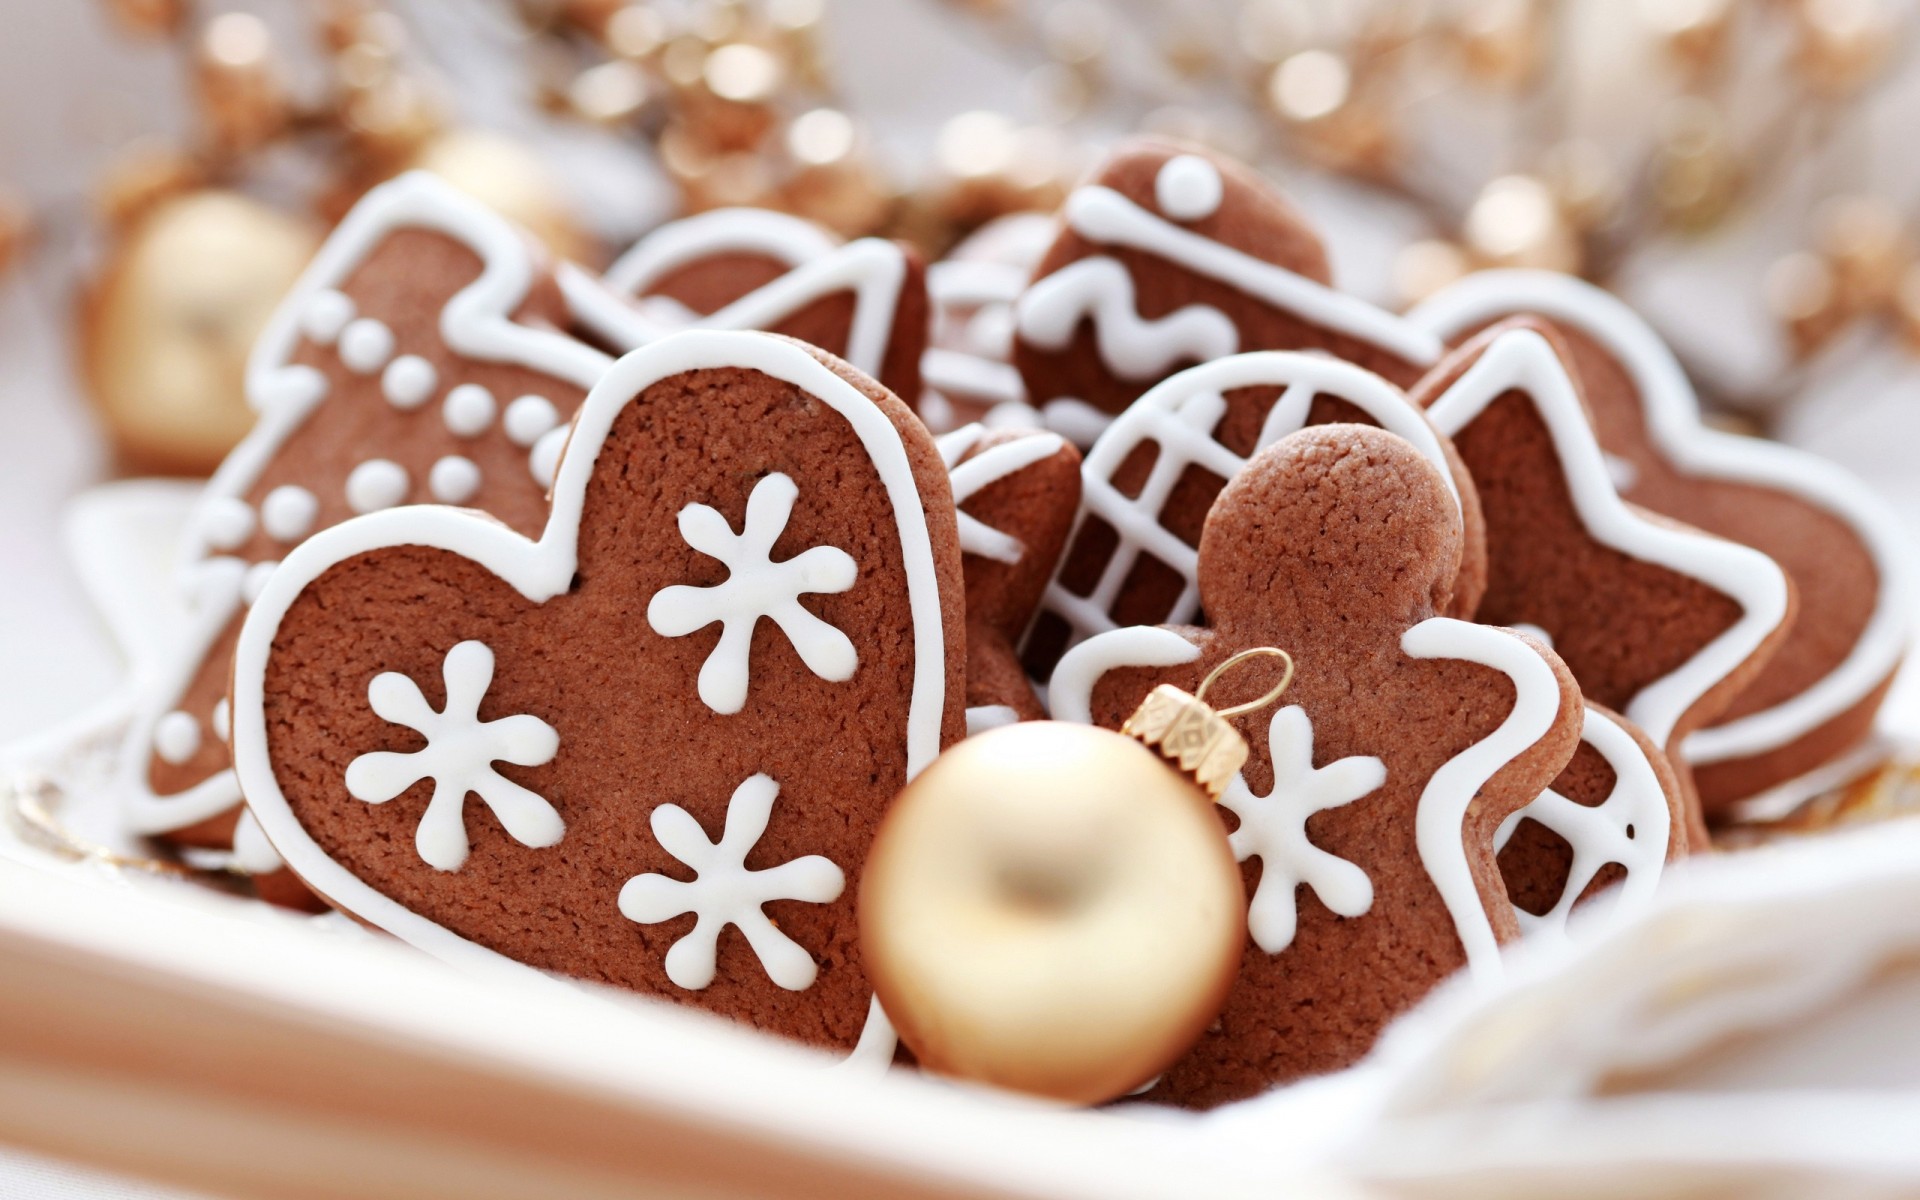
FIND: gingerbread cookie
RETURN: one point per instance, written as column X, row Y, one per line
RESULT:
column 865, row 301
column 1172, row 255
column 419, row 359
column 590, row 753
column 1660, row 621
column 967, row 369
column 1407, row 740
column 1151, row 478
column 1017, row 491
column 1816, row 698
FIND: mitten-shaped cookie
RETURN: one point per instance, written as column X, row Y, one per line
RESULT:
column 1154, row 473
column 1814, row 700
column 1017, row 491
column 1407, row 739
column 865, row 301
column 419, row 359
column 1172, row 255
column 649, row 748
column 1662, row 622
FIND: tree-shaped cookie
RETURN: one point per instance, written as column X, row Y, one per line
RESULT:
column 650, row 747
column 1017, row 491
column 419, row 359
column 1407, row 739
column 1662, row 622
column 1170, row 256
column 865, row 301
column 1815, row 699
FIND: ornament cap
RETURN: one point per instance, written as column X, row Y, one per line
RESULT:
column 1195, row 737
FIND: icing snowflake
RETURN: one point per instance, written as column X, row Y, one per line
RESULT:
column 755, row 587
column 1273, row 828
column 725, row 892
column 459, row 756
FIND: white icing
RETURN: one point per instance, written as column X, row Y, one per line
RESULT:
column 255, row 580
column 459, row 756
column 1438, row 823
column 408, row 381
column 376, row 484
column 1673, row 421
column 288, row 512
column 227, row 523
column 756, row 587
column 252, row 852
column 325, row 313
column 1076, row 420
column 453, row 480
column 528, row 418
column 1178, row 417
column 540, row 570
column 724, row 891
column 365, row 345
column 1522, row 360
column 982, row 717
column 983, row 470
column 1104, row 216
column 1070, row 691
column 222, row 719
column 1188, row 188
column 720, row 232
column 873, row 1053
column 1132, row 347
column 1621, row 473
column 971, row 375
column 1273, row 829
column 468, row 410
column 1632, row 827
column 969, row 283
column 544, row 459
column 176, row 738
column 476, row 323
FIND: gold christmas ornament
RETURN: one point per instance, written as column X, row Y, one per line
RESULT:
column 242, row 96
column 166, row 329
column 1054, row 908
column 509, row 178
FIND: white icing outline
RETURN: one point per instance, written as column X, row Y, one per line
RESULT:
column 1188, row 188
column 540, row 570
column 1179, row 415
column 476, row 322
column 983, row 470
column 1099, row 290
column 1524, row 361
column 755, row 231
column 1673, row 423
column 1598, row 834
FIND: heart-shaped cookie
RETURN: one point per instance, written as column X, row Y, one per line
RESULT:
column 649, row 748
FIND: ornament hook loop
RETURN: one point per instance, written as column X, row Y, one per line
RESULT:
column 1273, row 693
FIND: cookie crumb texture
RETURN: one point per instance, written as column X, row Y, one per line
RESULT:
column 633, row 731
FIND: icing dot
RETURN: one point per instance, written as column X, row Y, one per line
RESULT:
column 408, row 381
column 288, row 512
column 1188, row 188
column 228, row 522
column 545, row 459
column 256, row 578
column 176, row 738
column 468, row 410
column 453, row 479
column 529, row 417
column 326, row 313
column 376, row 484
column 223, row 720
column 365, row 345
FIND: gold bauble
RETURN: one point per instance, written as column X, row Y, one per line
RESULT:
column 509, row 178
column 1052, row 908
column 167, row 327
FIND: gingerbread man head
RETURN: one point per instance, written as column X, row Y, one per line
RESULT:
column 1406, row 740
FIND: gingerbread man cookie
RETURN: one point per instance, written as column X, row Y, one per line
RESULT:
column 1017, row 491
column 419, row 359
column 1407, row 740
column 1153, row 474
column 865, row 301
column 1662, row 622
column 1172, row 255
column 1815, row 700
column 680, row 711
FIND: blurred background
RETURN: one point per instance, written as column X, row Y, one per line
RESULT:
column 1738, row 169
